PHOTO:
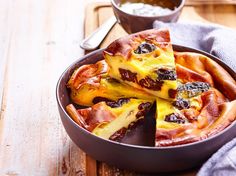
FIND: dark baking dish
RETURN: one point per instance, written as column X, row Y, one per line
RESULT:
column 139, row 157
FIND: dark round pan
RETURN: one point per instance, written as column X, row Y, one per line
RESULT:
column 136, row 153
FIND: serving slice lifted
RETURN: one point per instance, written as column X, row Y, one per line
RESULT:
column 90, row 84
column 144, row 60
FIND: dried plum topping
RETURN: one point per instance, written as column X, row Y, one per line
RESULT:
column 175, row 118
column 117, row 136
column 99, row 99
column 118, row 103
column 146, row 82
column 165, row 74
column 145, row 106
column 127, row 75
column 172, row 93
column 112, row 80
column 145, row 48
column 149, row 83
column 181, row 103
column 143, row 109
column 194, row 88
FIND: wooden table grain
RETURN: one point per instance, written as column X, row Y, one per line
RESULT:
column 38, row 40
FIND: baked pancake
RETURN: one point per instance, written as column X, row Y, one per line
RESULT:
column 195, row 97
column 144, row 60
column 90, row 84
column 110, row 120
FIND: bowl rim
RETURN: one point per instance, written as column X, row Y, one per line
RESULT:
column 139, row 147
column 149, row 17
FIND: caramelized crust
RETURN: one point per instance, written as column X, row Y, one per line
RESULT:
column 90, row 117
column 187, row 75
column 87, row 74
column 110, row 120
column 125, row 45
column 199, row 67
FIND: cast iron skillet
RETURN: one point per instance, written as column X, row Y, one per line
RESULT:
column 141, row 157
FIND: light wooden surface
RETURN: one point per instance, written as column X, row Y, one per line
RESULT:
column 209, row 2
column 38, row 40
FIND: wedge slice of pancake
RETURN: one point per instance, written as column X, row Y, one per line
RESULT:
column 144, row 60
column 90, row 84
column 110, row 120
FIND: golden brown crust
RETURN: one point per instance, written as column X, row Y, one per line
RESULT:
column 87, row 73
column 224, row 82
column 86, row 76
column 76, row 116
column 205, row 69
column 125, row 45
column 90, row 117
column 188, row 75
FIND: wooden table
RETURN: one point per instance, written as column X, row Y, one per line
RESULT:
column 38, row 40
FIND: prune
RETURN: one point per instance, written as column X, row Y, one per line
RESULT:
column 145, row 106
column 143, row 109
column 145, row 48
column 165, row 74
column 117, row 136
column 174, row 117
column 118, row 103
column 149, row 83
column 194, row 88
column 172, row 93
column 181, row 103
column 112, row 80
column 127, row 75
column 99, row 99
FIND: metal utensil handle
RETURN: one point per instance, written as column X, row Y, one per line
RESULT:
column 94, row 39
